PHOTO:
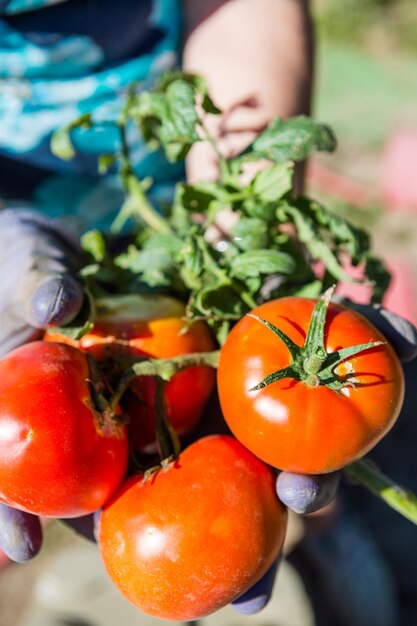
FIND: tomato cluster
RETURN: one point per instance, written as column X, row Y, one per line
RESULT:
column 183, row 541
column 150, row 327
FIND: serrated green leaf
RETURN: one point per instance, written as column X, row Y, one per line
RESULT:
column 195, row 80
column 192, row 263
column 194, row 198
column 169, row 117
column 292, row 140
column 354, row 240
column 253, row 207
column 155, row 263
column 155, row 267
column 258, row 262
column 272, row 183
column 220, row 300
column 198, row 197
column 182, row 111
column 319, row 249
column 250, row 233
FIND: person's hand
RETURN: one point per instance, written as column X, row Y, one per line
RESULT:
column 305, row 494
column 20, row 534
column 37, row 260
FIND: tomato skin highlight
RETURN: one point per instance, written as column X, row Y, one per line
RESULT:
column 58, row 456
column 152, row 326
column 294, row 427
column 191, row 539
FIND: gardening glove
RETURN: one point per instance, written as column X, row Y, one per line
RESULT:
column 306, row 494
column 37, row 260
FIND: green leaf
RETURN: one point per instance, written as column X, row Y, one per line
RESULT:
column 379, row 277
column 250, row 233
column 196, row 81
column 194, row 198
column 266, row 211
column 169, row 118
column 200, row 84
column 154, row 266
column 272, row 183
column 257, row 262
column 198, row 198
column 209, row 106
column 93, row 243
column 220, row 300
column 319, row 249
column 354, row 240
column 61, row 143
column 192, row 263
column 292, row 140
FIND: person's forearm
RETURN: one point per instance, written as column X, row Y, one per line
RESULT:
column 257, row 58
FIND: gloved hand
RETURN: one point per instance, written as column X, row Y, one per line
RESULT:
column 306, row 494
column 37, row 260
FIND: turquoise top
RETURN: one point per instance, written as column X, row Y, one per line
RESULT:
column 63, row 58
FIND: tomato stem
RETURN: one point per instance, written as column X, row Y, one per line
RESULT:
column 104, row 409
column 164, row 368
column 401, row 500
column 311, row 363
column 168, row 442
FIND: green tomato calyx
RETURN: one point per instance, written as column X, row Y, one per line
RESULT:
column 311, row 363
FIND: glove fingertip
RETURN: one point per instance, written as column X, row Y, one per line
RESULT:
column 258, row 596
column 401, row 333
column 304, row 493
column 57, row 301
column 251, row 607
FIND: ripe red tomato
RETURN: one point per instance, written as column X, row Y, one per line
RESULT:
column 59, row 455
column 153, row 326
column 191, row 539
column 294, row 426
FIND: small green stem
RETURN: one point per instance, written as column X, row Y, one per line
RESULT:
column 217, row 271
column 144, row 208
column 314, row 361
column 401, row 500
column 224, row 169
column 136, row 202
column 311, row 363
column 168, row 442
column 163, row 368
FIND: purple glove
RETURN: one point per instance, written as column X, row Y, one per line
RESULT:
column 306, row 494
column 20, row 534
column 37, row 260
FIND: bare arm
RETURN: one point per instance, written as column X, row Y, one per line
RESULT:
column 257, row 57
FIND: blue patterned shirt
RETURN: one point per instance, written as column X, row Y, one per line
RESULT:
column 63, row 58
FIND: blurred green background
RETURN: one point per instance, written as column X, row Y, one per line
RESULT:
column 366, row 75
